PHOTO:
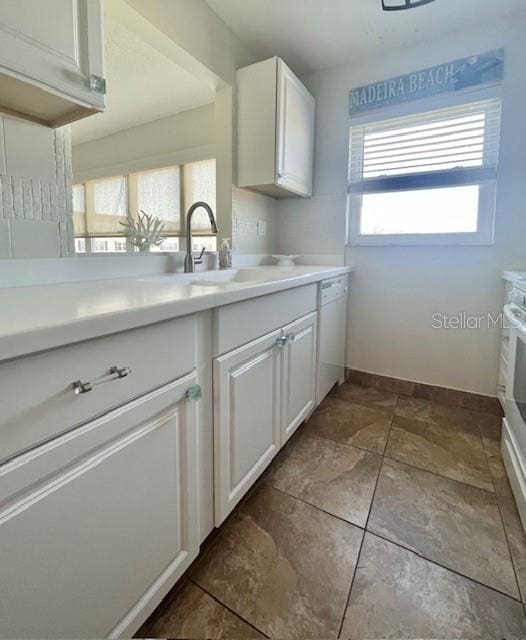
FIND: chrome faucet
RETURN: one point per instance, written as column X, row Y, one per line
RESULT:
column 188, row 260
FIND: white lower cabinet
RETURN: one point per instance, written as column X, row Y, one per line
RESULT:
column 262, row 392
column 97, row 525
column 299, row 374
column 247, row 390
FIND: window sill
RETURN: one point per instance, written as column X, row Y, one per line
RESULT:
column 431, row 240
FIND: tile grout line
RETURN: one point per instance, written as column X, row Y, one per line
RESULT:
column 366, row 530
column 425, row 422
column 366, row 523
column 521, row 595
column 309, row 504
column 497, row 502
column 442, row 566
column 390, row 457
column 393, row 542
column 439, row 475
column 338, row 442
column 499, row 507
column 222, row 604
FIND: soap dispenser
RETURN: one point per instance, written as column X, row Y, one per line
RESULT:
column 225, row 254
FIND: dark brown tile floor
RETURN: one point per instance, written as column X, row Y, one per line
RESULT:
column 384, row 517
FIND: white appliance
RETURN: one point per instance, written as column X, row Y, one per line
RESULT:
column 332, row 334
column 514, row 425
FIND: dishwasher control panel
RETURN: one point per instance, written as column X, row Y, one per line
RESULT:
column 333, row 289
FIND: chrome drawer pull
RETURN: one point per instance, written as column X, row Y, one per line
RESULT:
column 115, row 373
column 121, row 372
column 81, row 387
column 282, row 341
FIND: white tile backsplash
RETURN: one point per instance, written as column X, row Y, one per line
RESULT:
column 251, row 212
column 35, row 187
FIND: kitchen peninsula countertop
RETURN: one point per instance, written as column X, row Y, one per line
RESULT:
column 40, row 317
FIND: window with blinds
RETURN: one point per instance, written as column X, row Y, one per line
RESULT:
column 100, row 205
column 433, row 173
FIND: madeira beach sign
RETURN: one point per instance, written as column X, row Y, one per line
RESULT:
column 486, row 68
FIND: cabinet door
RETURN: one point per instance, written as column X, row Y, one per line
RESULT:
column 57, row 47
column 91, row 548
column 247, row 418
column 295, row 135
column 299, row 374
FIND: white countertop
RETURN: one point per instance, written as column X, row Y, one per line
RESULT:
column 517, row 278
column 35, row 318
column 512, row 276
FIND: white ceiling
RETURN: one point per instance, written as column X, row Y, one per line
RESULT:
column 315, row 34
column 142, row 84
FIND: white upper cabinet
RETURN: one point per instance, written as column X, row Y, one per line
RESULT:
column 51, row 59
column 275, row 130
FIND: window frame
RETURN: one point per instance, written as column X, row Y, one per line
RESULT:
column 484, row 235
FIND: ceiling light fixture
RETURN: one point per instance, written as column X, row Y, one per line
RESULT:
column 398, row 5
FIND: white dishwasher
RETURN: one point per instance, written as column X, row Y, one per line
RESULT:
column 332, row 334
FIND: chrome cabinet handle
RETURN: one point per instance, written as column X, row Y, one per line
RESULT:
column 81, row 387
column 285, row 339
column 194, row 392
column 115, row 373
column 120, row 372
column 282, row 341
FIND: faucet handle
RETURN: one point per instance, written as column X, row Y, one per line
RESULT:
column 199, row 259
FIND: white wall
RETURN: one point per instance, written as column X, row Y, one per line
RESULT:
column 199, row 32
column 35, row 190
column 395, row 290
column 183, row 137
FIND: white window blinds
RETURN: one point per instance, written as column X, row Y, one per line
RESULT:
column 446, row 147
column 200, row 186
column 100, row 205
column 111, row 197
column 159, row 194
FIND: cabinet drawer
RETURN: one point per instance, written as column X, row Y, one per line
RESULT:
column 239, row 323
column 36, row 393
column 103, row 521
